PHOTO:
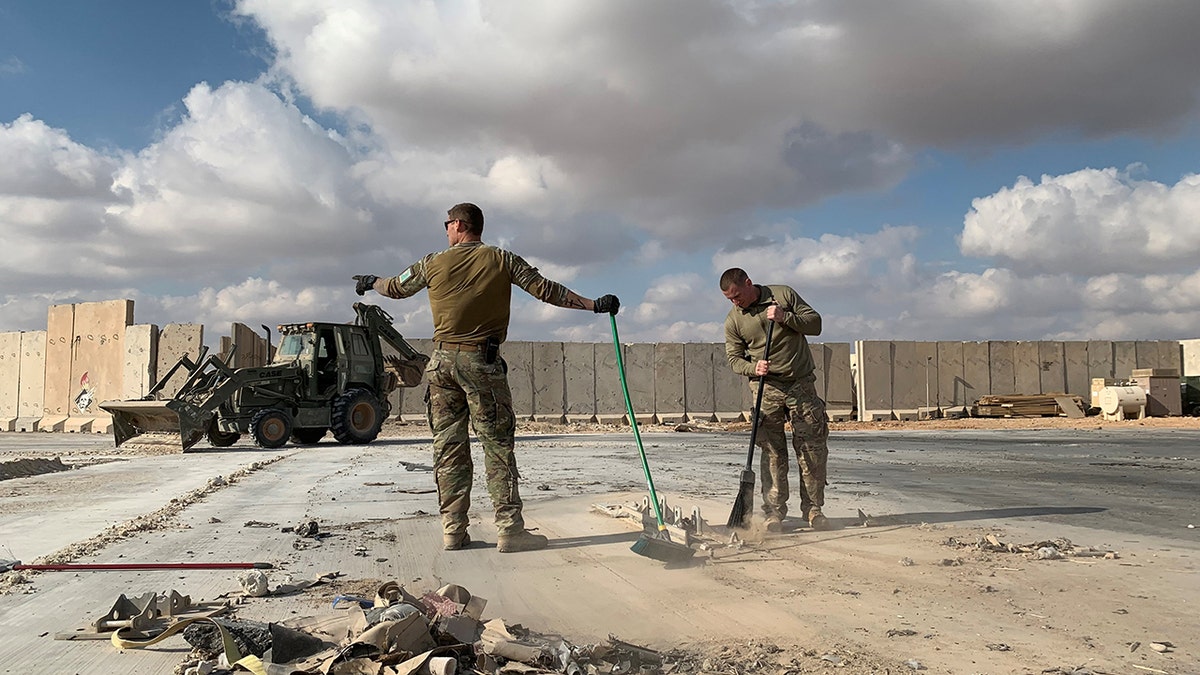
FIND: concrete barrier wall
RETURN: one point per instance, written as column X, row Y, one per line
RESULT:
column 43, row 377
column 250, row 347
column 97, row 362
column 31, row 395
column 1189, row 357
column 890, row 380
column 670, row 382
column 10, row 379
column 141, row 361
column 176, row 340
column 60, row 328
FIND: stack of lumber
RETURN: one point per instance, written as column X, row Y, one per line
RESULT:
column 1027, row 405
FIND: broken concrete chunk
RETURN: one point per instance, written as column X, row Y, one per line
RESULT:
column 255, row 583
column 1048, row 553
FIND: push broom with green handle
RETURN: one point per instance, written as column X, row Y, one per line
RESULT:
column 658, row 545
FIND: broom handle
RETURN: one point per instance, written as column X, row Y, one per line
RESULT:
column 633, row 423
column 758, row 399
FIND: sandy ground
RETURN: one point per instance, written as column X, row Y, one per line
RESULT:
column 890, row 594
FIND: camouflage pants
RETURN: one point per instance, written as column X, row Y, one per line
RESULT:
column 463, row 388
column 810, row 434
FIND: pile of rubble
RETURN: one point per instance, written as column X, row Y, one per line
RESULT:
column 397, row 633
column 1049, row 549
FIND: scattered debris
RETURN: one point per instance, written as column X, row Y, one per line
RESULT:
column 901, row 632
column 1029, row 405
column 1042, row 550
column 1162, row 646
column 999, row 647
column 1048, row 553
column 907, row 562
column 258, row 523
column 257, row 584
column 914, row 664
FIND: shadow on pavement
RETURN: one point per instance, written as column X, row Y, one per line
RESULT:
column 918, row 517
column 594, row 540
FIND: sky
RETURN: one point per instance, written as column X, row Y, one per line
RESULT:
column 925, row 170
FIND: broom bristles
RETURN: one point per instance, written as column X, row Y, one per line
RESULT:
column 741, row 505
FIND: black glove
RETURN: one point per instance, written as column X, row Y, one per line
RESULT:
column 364, row 282
column 606, row 304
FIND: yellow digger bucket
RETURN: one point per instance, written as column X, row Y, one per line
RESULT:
column 131, row 418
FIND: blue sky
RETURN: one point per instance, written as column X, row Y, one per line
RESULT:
column 239, row 160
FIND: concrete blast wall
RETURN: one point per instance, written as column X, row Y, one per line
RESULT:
column 667, row 382
column 97, row 362
column 52, row 380
column 31, row 394
column 141, row 361
column 175, row 341
column 10, row 379
column 892, row 377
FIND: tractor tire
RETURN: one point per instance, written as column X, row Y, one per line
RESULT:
column 356, row 417
column 221, row 439
column 310, row 436
column 270, row 427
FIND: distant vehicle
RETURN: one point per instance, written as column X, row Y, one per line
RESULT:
column 1189, row 395
column 324, row 377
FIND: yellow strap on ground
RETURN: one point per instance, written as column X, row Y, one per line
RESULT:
column 232, row 654
column 253, row 664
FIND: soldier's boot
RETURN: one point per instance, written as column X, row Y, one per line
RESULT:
column 520, row 541
column 817, row 520
column 773, row 522
column 456, row 541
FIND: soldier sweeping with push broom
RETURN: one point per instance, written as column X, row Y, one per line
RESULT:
column 470, row 291
column 785, row 384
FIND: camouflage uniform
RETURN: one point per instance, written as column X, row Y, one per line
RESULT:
column 462, row 387
column 789, row 392
column 470, row 289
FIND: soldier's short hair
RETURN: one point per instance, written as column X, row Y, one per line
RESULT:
column 468, row 213
column 734, row 276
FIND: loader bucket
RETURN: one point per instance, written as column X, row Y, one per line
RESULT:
column 131, row 418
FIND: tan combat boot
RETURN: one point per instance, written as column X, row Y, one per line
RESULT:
column 773, row 523
column 520, row 541
column 456, row 541
column 817, row 520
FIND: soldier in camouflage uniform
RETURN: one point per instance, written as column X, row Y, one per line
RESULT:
column 789, row 390
column 470, row 289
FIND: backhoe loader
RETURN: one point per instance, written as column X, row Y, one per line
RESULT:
column 324, row 377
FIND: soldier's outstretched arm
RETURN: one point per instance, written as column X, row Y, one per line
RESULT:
column 528, row 278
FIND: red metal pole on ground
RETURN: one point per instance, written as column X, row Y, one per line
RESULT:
column 6, row 565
